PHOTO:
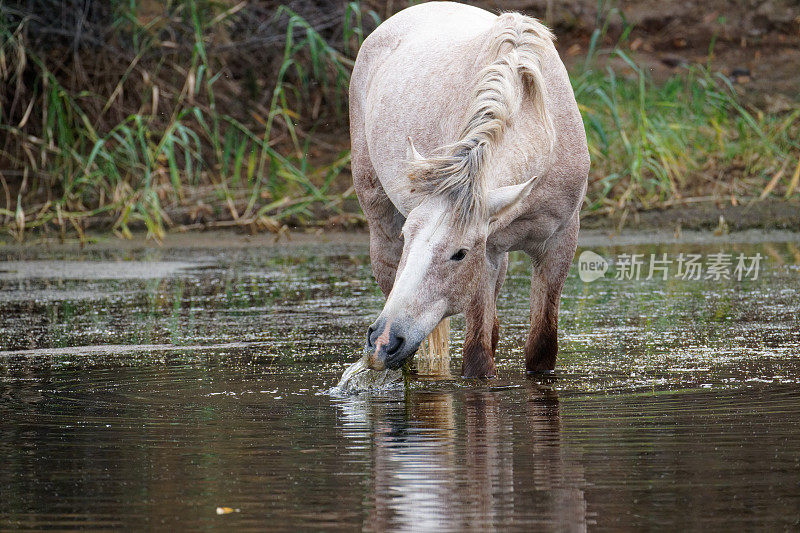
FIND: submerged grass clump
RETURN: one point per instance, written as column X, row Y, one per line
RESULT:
column 192, row 114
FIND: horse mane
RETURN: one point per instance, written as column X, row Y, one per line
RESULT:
column 457, row 170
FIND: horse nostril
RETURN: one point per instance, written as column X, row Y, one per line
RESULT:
column 370, row 331
column 394, row 347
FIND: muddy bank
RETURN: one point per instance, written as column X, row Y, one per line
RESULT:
column 592, row 234
column 768, row 214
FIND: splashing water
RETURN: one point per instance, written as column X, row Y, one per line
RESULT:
column 432, row 361
column 359, row 377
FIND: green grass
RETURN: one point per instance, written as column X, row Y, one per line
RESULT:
column 660, row 144
column 190, row 155
column 78, row 171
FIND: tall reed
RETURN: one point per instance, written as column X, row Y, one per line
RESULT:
column 64, row 167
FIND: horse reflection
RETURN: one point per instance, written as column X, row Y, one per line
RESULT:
column 554, row 475
column 467, row 460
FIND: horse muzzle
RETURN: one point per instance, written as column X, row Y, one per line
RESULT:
column 389, row 344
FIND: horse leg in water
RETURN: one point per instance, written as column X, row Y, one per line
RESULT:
column 433, row 358
column 549, row 273
column 483, row 326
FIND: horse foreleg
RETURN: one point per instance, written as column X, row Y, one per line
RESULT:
column 549, row 273
column 384, row 220
column 483, row 327
column 481, row 318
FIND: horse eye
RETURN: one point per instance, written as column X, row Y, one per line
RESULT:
column 459, row 255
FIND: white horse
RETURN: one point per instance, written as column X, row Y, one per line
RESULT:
column 488, row 103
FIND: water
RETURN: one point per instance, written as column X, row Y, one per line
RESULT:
column 136, row 396
column 358, row 377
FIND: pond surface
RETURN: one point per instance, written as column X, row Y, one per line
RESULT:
column 190, row 388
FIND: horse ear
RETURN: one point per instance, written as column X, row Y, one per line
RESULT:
column 412, row 153
column 503, row 199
